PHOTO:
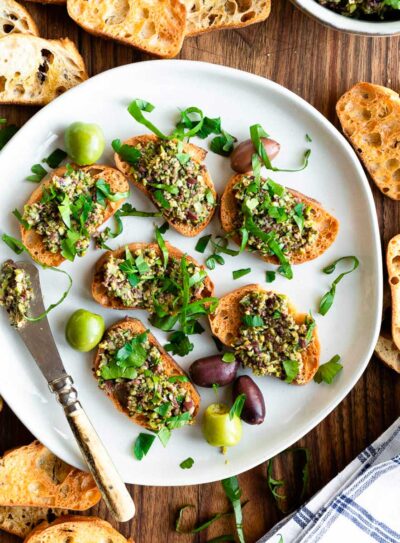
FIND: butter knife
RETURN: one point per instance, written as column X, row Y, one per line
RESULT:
column 39, row 340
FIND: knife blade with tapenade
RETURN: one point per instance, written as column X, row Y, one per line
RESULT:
column 39, row 340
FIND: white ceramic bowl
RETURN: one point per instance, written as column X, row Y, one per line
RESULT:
column 347, row 24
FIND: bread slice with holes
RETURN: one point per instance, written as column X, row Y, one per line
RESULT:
column 103, row 297
column 388, row 353
column 32, row 476
column 370, row 118
column 117, row 392
column 393, row 267
column 48, row 1
column 34, row 71
column 326, row 225
column 33, row 241
column 227, row 319
column 207, row 15
column 155, row 27
column 71, row 529
column 20, row 521
column 197, row 154
column 15, row 19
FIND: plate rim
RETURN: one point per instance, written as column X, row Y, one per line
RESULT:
column 57, row 447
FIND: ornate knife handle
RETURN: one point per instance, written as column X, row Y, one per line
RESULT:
column 110, row 484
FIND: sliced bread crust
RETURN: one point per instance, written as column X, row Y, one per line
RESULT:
column 48, row 1
column 34, row 241
column 32, row 476
column 326, row 224
column 15, row 19
column 99, row 292
column 170, row 365
column 207, row 15
column 20, row 521
column 34, row 71
column 73, row 528
column 197, row 154
column 155, row 27
column 370, row 118
column 226, row 321
column 393, row 267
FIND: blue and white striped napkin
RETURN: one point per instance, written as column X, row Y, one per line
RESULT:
column 361, row 504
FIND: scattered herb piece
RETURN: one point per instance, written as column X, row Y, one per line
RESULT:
column 252, row 320
column 163, row 228
column 56, row 304
column 311, row 324
column 234, row 493
column 15, row 244
column 223, row 144
column 240, row 273
column 270, row 276
column 328, row 298
column 164, row 435
column 327, row 372
column 187, row 464
column 291, row 368
column 19, row 217
column 308, row 138
column 201, row 245
column 228, row 358
column 128, row 153
column 104, row 191
column 199, row 527
column 237, row 407
column 178, row 379
column 55, row 158
column 128, row 211
column 215, row 387
column 38, row 173
column 142, row 445
column 163, row 247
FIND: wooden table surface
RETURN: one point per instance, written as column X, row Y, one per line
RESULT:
column 319, row 65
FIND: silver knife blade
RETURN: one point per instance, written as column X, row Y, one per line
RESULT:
column 37, row 336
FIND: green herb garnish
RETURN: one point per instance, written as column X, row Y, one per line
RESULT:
column 128, row 153
column 104, row 192
column 228, row 358
column 327, row 372
column 178, row 379
column 327, row 300
column 38, row 173
column 234, row 493
column 252, row 321
column 142, row 445
column 202, row 243
column 270, row 276
column 291, row 368
column 197, row 528
column 127, row 210
column 187, row 464
column 55, row 158
column 240, row 273
column 237, row 406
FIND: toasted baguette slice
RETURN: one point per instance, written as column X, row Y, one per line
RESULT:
column 20, row 521
column 370, row 118
column 393, row 267
column 388, row 353
column 326, row 224
column 15, row 19
column 48, row 1
column 207, row 15
column 171, row 368
column 99, row 292
column 34, row 241
column 74, row 529
column 155, row 27
column 197, row 154
column 226, row 321
column 32, row 476
column 34, row 71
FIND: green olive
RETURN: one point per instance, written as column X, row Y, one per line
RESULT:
column 84, row 143
column 218, row 428
column 84, row 330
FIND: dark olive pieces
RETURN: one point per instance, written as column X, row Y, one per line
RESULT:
column 254, row 406
column 211, row 370
column 241, row 156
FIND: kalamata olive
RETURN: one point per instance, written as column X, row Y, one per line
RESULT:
column 242, row 154
column 212, row 370
column 254, row 407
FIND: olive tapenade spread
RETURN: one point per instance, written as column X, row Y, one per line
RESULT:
column 152, row 284
column 134, row 371
column 16, row 293
column 67, row 213
column 269, row 335
column 277, row 213
column 377, row 10
column 176, row 182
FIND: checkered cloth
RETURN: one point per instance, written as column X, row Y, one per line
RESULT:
column 361, row 504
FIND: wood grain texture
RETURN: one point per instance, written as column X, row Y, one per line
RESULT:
column 319, row 65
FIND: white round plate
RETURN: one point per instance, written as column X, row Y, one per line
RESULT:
column 333, row 177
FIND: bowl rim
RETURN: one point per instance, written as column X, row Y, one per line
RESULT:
column 342, row 23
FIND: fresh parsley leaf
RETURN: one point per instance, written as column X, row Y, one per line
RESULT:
column 142, row 445
column 270, row 276
column 179, row 344
column 327, row 372
column 228, row 358
column 178, row 379
column 291, row 368
column 55, row 158
column 202, row 243
column 127, row 210
column 236, row 274
column 113, row 371
column 136, row 107
column 162, row 245
column 163, row 409
column 159, row 197
column 103, row 188
column 65, row 211
column 190, row 123
column 15, row 244
column 164, row 435
column 223, row 144
column 252, row 321
column 237, row 406
column 68, row 245
column 38, row 173
column 187, row 464
column 183, row 158
column 327, row 300
column 234, row 493
column 128, row 153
